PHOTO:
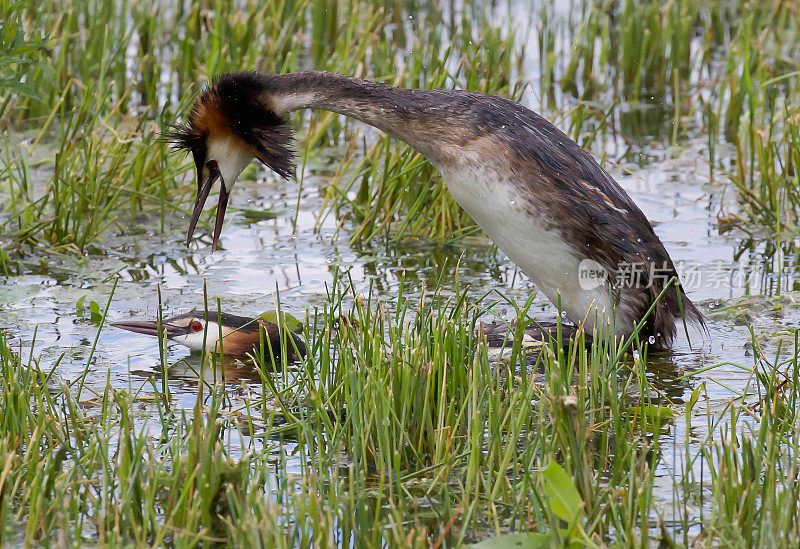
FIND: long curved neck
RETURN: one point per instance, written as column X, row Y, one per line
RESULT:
column 413, row 116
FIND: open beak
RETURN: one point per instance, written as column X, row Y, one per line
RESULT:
column 150, row 328
column 203, row 191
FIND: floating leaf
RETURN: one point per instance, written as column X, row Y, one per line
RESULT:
column 96, row 315
column 259, row 215
column 288, row 321
column 655, row 416
column 79, row 305
column 565, row 501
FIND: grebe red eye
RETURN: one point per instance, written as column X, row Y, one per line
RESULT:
column 196, row 325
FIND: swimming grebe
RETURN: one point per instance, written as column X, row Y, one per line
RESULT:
column 536, row 193
column 241, row 335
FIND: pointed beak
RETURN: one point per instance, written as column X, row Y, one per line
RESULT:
column 150, row 328
column 203, row 190
column 222, row 205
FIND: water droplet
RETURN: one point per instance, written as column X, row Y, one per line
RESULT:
column 563, row 314
column 512, row 202
column 710, row 305
column 652, row 340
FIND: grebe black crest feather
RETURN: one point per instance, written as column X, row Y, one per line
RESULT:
column 237, row 104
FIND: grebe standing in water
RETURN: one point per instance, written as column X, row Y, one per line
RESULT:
column 545, row 202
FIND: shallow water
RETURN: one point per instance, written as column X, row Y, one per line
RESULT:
column 261, row 260
column 258, row 261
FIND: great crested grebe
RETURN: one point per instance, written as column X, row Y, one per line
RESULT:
column 241, row 335
column 545, row 202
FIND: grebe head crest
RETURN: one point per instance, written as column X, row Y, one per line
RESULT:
column 231, row 122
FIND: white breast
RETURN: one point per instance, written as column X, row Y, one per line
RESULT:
column 542, row 254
